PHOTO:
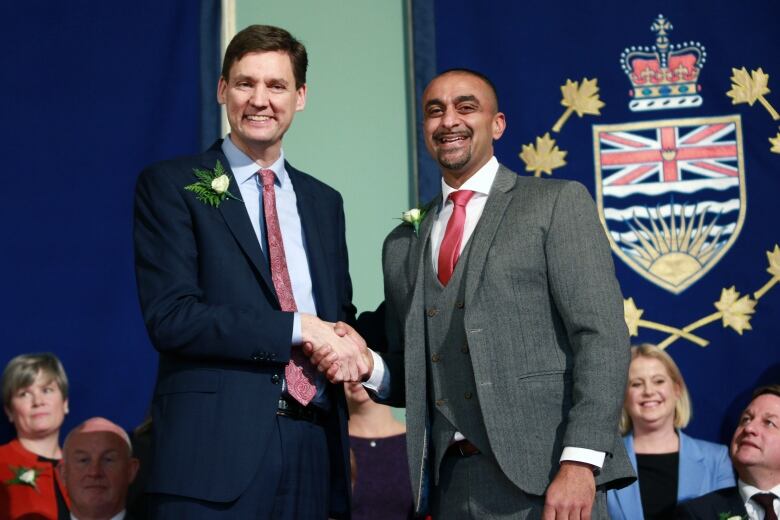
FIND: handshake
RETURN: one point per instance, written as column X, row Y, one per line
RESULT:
column 336, row 349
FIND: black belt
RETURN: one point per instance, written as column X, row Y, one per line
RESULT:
column 462, row 448
column 295, row 410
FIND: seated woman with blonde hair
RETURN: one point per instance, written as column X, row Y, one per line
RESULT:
column 671, row 467
column 35, row 398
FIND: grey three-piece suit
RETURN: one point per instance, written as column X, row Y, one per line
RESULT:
column 525, row 351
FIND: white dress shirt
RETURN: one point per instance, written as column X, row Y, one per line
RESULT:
column 480, row 183
column 755, row 511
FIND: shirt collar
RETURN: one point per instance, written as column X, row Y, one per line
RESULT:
column 244, row 168
column 480, row 182
column 746, row 490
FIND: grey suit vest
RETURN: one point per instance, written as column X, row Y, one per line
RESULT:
column 453, row 398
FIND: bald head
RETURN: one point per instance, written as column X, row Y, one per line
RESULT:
column 97, row 468
column 492, row 92
column 100, row 424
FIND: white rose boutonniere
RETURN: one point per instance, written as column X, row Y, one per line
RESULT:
column 212, row 186
column 24, row 476
column 220, row 184
column 414, row 217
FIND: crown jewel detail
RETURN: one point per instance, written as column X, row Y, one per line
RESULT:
column 665, row 75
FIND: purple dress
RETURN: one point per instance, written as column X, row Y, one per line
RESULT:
column 382, row 490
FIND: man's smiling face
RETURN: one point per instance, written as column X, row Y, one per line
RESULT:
column 261, row 99
column 460, row 123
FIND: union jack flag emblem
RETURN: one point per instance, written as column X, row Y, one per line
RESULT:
column 671, row 194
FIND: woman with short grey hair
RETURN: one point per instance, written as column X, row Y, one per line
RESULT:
column 35, row 399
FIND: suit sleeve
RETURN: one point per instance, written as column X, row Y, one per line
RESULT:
column 171, row 277
column 588, row 299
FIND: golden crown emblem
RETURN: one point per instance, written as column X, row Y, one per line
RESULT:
column 665, row 75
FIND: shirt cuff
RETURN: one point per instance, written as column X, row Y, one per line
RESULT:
column 592, row 457
column 297, row 335
column 379, row 381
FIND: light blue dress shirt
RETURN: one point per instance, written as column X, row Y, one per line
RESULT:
column 245, row 171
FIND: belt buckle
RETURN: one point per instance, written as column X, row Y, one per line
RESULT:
column 296, row 411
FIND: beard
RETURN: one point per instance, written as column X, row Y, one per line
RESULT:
column 454, row 162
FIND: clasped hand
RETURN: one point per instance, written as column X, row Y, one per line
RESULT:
column 336, row 349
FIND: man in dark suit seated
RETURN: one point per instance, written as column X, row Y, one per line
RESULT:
column 755, row 454
column 241, row 259
column 97, row 468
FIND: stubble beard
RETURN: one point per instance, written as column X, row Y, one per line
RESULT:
column 454, row 163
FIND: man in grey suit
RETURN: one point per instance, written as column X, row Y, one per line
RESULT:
column 509, row 322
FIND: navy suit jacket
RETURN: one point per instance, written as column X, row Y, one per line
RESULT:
column 211, row 311
column 712, row 505
column 703, row 467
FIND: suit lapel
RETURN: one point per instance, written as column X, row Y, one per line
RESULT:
column 498, row 200
column 237, row 219
column 313, row 222
column 415, row 327
column 418, row 427
column 735, row 502
column 691, row 469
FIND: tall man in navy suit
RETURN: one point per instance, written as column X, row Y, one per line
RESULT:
column 233, row 278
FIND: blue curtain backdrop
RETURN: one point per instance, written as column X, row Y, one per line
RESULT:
column 92, row 92
column 656, row 171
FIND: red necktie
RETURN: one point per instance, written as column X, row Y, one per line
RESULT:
column 453, row 235
column 299, row 372
column 766, row 500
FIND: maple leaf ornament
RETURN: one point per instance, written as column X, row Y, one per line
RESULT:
column 751, row 87
column 632, row 315
column 544, row 157
column 735, row 311
column 582, row 99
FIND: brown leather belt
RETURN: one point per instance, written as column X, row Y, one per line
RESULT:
column 293, row 409
column 462, row 448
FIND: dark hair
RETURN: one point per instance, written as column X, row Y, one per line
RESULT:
column 476, row 74
column 267, row 38
column 764, row 390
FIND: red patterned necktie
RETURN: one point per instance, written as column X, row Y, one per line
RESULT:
column 453, row 235
column 766, row 500
column 299, row 372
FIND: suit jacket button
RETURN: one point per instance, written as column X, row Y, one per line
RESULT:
column 459, row 305
column 275, row 379
column 467, row 395
column 439, row 402
column 465, row 348
column 433, row 311
column 435, row 358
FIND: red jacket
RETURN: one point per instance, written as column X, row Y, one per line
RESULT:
column 17, row 500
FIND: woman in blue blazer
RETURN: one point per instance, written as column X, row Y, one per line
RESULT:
column 672, row 467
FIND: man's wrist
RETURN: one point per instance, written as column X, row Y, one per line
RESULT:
column 376, row 374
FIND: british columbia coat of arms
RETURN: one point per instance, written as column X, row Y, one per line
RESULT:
column 671, row 192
